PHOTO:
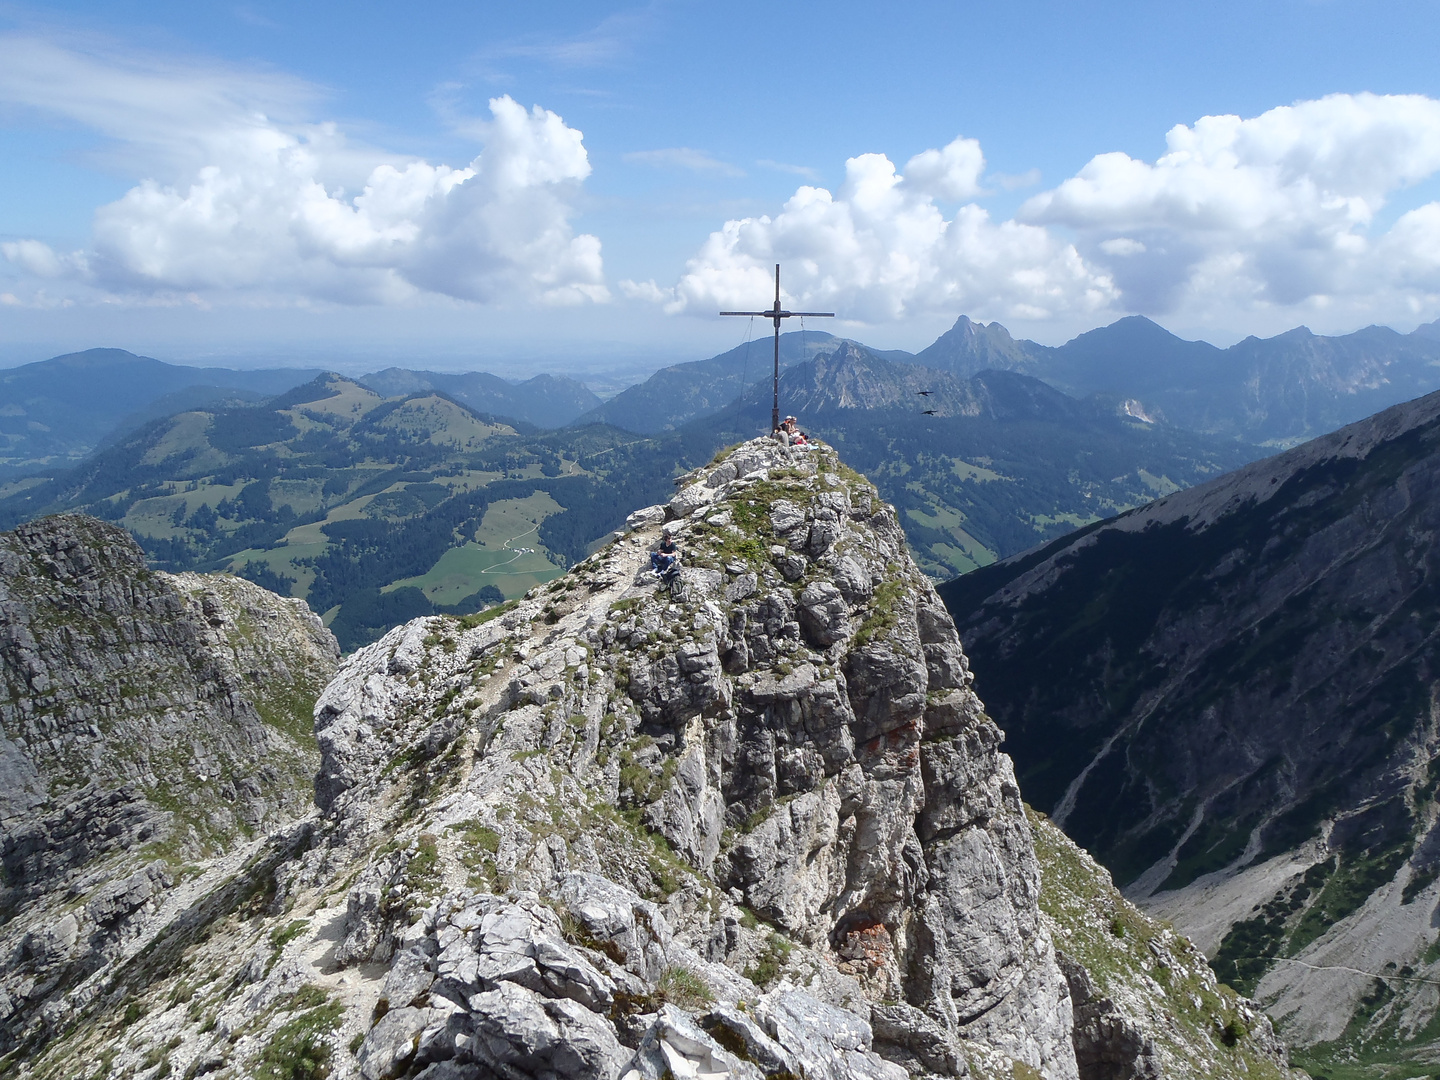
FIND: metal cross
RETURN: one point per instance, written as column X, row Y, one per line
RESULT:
column 777, row 314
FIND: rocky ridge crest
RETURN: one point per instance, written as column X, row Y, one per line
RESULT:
column 751, row 823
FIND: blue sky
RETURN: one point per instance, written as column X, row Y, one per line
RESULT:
column 182, row 179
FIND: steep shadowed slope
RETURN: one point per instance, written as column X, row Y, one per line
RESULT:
column 1229, row 697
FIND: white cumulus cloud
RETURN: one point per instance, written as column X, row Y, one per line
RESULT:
column 1242, row 223
column 245, row 199
column 952, row 173
column 879, row 248
column 40, row 260
column 1272, row 211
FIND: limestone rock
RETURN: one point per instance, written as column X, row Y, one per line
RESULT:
column 649, row 515
column 151, row 722
column 675, row 1046
column 627, row 928
column 391, row 1044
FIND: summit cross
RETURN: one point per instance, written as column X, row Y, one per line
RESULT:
column 777, row 313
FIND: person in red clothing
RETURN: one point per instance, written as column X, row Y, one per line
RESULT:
column 792, row 435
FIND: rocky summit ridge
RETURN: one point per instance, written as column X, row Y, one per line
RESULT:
column 750, row 822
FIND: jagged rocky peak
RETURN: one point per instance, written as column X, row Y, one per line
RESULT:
column 779, row 751
column 149, row 721
column 750, row 821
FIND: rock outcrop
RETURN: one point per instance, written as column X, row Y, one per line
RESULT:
column 150, row 722
column 748, row 822
column 1146, row 1004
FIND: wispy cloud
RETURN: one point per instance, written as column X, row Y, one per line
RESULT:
column 608, row 42
column 683, row 157
column 794, row 170
column 1016, row 181
column 248, row 15
column 164, row 112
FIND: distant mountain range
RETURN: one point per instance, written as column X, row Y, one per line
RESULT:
column 1023, row 443
column 1228, row 697
column 1006, row 462
column 683, row 392
column 56, row 411
column 547, row 401
column 1273, row 392
column 1276, row 391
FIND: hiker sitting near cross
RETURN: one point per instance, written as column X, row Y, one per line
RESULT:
column 792, row 435
column 664, row 557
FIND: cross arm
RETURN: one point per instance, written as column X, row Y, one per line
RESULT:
column 783, row 314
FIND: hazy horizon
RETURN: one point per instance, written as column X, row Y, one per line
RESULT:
column 605, row 372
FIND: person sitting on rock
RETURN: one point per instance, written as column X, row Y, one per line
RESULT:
column 790, row 433
column 664, row 558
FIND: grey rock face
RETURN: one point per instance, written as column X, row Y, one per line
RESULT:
column 1146, row 1004
column 812, row 749
column 1107, row 1044
column 675, row 1045
column 150, row 720
column 634, row 930
column 498, row 987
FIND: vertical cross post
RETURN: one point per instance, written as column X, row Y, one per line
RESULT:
column 776, row 314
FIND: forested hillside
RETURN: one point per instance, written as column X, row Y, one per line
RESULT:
column 54, row 412
column 373, row 509
column 377, row 509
